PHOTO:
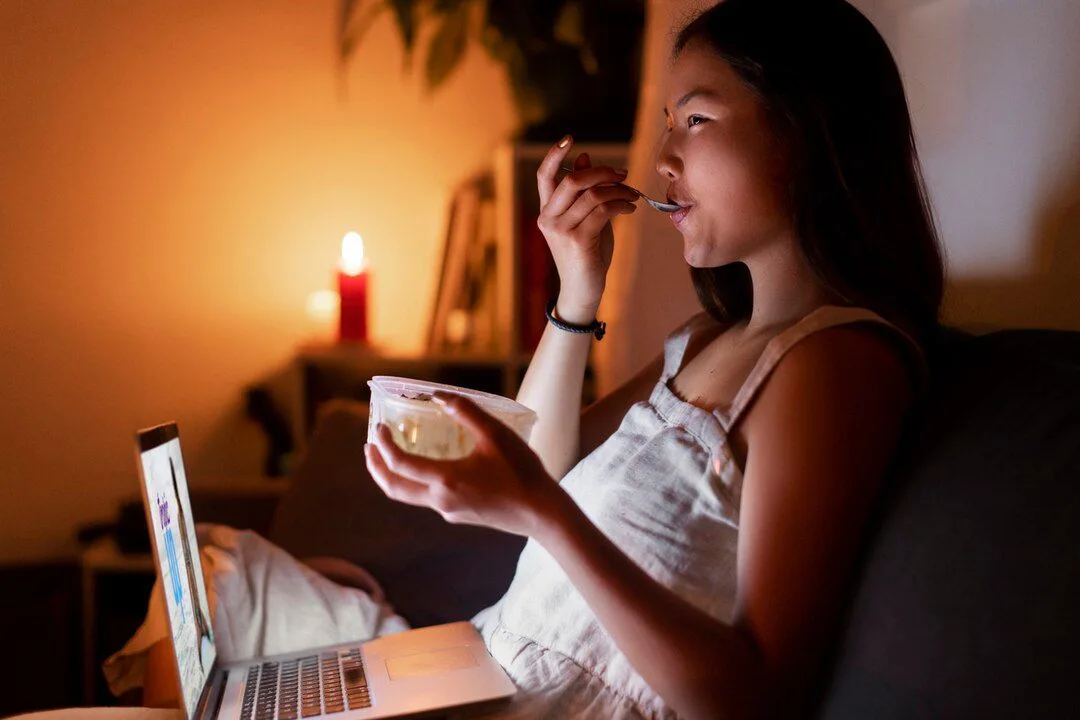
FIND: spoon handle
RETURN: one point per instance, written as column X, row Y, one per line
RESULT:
column 663, row 207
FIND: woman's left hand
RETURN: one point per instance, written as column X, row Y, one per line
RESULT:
column 501, row 484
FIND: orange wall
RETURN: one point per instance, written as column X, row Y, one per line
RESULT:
column 175, row 179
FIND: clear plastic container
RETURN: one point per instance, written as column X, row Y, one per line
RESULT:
column 421, row 427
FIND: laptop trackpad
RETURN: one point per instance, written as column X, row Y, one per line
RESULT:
column 430, row 663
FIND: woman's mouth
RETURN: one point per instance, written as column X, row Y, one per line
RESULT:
column 679, row 215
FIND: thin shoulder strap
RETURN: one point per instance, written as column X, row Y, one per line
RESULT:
column 820, row 319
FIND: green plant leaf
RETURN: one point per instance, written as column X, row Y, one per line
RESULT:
column 530, row 103
column 445, row 6
column 346, row 10
column 407, row 21
column 354, row 24
column 448, row 46
column 568, row 25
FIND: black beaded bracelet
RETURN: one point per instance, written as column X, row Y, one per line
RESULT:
column 596, row 327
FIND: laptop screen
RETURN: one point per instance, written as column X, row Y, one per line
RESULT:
column 177, row 555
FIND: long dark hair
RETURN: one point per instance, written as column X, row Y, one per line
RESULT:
column 859, row 206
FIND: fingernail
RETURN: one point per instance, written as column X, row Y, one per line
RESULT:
column 622, row 171
column 565, row 141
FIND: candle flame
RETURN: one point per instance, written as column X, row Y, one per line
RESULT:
column 352, row 253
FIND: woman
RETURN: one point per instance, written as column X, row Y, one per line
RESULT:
column 692, row 559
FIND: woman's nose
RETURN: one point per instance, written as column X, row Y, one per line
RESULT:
column 667, row 162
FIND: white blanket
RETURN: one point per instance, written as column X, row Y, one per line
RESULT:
column 263, row 601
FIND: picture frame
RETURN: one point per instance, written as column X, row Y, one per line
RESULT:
column 463, row 317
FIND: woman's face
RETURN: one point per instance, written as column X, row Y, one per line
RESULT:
column 722, row 163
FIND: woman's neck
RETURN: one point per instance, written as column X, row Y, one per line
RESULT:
column 785, row 287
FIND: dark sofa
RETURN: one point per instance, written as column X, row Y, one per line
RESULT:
column 964, row 604
column 967, row 601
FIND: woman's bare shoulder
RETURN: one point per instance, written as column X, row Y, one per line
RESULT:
column 846, row 355
column 847, row 368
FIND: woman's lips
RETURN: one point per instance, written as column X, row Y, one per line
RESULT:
column 679, row 215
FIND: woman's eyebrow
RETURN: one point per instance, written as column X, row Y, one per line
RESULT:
column 696, row 92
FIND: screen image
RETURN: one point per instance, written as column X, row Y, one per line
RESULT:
column 181, row 571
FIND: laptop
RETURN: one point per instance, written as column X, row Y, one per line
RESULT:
column 424, row 671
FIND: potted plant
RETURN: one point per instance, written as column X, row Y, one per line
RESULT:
column 572, row 65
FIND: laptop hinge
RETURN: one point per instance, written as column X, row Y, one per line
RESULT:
column 213, row 694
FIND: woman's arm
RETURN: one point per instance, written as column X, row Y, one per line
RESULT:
column 552, row 389
column 571, row 433
column 575, row 219
column 567, row 433
column 820, row 438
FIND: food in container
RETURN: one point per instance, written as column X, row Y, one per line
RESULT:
column 421, row 427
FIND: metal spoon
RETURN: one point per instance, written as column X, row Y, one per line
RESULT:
column 663, row 207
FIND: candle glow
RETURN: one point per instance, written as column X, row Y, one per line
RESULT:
column 352, row 253
column 322, row 305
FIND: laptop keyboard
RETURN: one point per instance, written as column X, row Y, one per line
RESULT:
column 328, row 683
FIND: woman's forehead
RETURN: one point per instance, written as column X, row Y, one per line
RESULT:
column 699, row 71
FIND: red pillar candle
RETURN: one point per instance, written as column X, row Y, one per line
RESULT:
column 352, row 280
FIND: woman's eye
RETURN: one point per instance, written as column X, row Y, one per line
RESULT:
column 694, row 120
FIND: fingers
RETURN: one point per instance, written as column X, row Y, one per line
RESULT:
column 602, row 215
column 412, row 479
column 411, row 466
column 611, row 200
column 483, row 426
column 395, row 487
column 547, row 173
column 580, row 182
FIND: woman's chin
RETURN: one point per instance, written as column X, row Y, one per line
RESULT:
column 696, row 256
column 702, row 250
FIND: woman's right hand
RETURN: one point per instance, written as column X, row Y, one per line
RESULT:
column 575, row 218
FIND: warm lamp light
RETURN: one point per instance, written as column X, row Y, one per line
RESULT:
column 321, row 309
column 322, row 305
column 352, row 281
column 457, row 326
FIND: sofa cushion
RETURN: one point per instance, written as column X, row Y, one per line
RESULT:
column 432, row 571
column 966, row 602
